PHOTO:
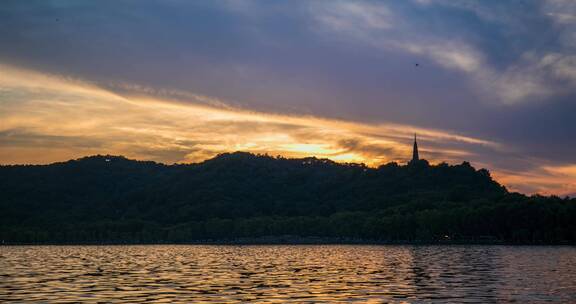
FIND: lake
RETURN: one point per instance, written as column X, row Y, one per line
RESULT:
column 288, row 273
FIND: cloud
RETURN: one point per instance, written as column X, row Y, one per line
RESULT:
column 401, row 28
column 353, row 16
column 23, row 138
column 562, row 11
column 57, row 118
column 180, row 81
column 553, row 180
column 67, row 113
column 561, row 66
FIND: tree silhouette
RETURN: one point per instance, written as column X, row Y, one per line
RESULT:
column 241, row 195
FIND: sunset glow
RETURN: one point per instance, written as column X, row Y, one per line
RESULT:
column 48, row 118
column 351, row 81
column 234, row 151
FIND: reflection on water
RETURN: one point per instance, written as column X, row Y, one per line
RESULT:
column 303, row 274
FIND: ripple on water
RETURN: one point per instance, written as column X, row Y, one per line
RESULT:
column 280, row 274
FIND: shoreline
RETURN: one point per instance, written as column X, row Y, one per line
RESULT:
column 296, row 241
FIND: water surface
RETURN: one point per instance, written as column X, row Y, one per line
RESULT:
column 279, row 274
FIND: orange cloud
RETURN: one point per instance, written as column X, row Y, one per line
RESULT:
column 45, row 118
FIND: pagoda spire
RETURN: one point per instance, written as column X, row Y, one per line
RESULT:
column 415, row 156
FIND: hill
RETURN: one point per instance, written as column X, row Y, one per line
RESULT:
column 241, row 195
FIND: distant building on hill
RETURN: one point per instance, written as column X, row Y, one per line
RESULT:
column 416, row 156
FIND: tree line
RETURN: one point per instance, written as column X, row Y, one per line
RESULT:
column 245, row 196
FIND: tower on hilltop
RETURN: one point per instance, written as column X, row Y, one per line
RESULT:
column 415, row 157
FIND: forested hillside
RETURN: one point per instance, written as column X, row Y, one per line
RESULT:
column 241, row 195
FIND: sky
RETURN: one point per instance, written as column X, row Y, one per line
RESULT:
column 486, row 81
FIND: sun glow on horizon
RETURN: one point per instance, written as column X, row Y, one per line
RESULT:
column 46, row 118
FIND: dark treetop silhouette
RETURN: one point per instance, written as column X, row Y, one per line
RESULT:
column 241, row 195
